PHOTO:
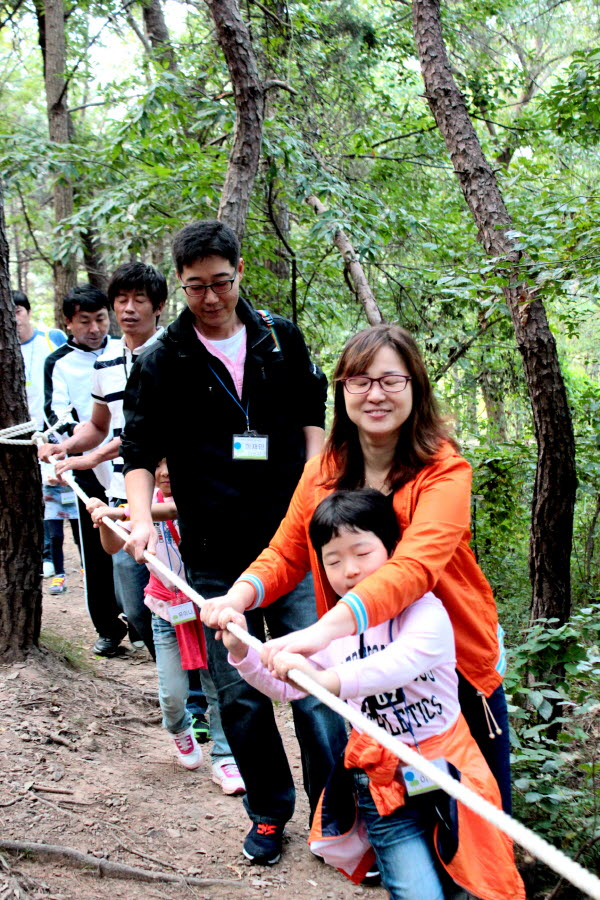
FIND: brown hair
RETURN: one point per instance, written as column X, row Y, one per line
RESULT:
column 421, row 435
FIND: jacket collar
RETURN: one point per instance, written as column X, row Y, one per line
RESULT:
column 181, row 331
column 84, row 349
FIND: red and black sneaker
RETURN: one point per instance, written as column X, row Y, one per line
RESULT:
column 263, row 844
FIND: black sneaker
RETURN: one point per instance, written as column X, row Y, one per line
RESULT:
column 200, row 728
column 106, row 647
column 263, row 844
column 372, row 878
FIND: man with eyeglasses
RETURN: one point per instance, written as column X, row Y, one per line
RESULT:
column 231, row 398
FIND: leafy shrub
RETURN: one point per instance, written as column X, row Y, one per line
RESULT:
column 555, row 733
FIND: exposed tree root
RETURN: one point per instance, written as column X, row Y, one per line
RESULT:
column 107, row 868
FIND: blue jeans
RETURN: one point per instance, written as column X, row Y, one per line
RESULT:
column 402, row 844
column 173, row 689
column 248, row 718
column 130, row 579
column 495, row 749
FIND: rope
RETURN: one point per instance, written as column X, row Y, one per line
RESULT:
column 558, row 861
column 555, row 859
column 9, row 435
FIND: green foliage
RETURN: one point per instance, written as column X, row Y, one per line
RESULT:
column 573, row 103
column 149, row 152
column 556, row 758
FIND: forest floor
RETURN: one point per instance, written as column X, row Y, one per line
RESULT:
column 86, row 765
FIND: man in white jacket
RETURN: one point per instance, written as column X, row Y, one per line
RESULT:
column 68, row 382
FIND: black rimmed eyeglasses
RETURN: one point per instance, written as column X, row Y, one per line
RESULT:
column 362, row 384
column 217, row 287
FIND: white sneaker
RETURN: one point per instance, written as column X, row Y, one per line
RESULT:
column 189, row 754
column 48, row 570
column 226, row 774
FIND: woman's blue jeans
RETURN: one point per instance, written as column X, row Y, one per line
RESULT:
column 402, row 844
column 173, row 690
column 248, row 718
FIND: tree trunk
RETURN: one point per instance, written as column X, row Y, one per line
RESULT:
column 21, row 533
column 234, row 40
column 590, row 545
column 491, row 389
column 96, row 270
column 93, row 259
column 59, row 129
column 158, row 34
column 555, row 481
column 354, row 269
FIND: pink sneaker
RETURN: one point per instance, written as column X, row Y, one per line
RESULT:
column 189, row 754
column 226, row 774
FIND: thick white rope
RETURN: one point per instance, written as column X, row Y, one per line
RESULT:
column 9, row 435
column 558, row 861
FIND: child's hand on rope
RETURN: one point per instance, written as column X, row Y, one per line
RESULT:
column 284, row 661
column 97, row 510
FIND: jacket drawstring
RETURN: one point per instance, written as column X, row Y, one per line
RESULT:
column 489, row 717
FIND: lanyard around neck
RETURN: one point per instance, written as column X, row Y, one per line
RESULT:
column 233, row 397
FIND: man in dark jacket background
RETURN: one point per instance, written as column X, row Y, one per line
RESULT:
column 231, row 398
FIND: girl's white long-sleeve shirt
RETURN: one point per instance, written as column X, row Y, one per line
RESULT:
column 405, row 681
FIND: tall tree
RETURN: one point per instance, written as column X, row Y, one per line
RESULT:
column 158, row 33
column 52, row 41
column 21, row 533
column 555, row 481
column 249, row 93
column 353, row 270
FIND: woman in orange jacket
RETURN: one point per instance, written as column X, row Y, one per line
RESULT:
column 388, row 434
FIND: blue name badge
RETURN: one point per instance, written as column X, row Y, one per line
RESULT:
column 250, row 446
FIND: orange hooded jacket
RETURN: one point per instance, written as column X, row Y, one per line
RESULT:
column 433, row 554
column 476, row 854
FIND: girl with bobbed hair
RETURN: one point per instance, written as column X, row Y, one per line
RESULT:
column 388, row 434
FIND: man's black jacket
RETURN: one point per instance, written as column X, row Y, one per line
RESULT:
column 175, row 407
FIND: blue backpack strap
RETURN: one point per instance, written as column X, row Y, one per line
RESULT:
column 269, row 322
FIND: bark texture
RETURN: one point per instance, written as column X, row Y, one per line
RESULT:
column 555, row 481
column 248, row 91
column 158, row 34
column 353, row 268
column 21, row 533
column 59, row 129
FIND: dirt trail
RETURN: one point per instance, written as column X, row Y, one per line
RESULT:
column 90, row 732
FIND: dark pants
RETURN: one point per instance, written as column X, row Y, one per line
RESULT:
column 99, row 589
column 47, row 552
column 197, row 703
column 130, row 580
column 247, row 715
column 495, row 749
column 56, row 534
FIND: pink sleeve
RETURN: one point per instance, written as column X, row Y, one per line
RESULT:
column 253, row 671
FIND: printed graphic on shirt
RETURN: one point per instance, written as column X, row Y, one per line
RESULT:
column 393, row 712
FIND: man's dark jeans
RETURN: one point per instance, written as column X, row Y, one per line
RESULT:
column 248, row 718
